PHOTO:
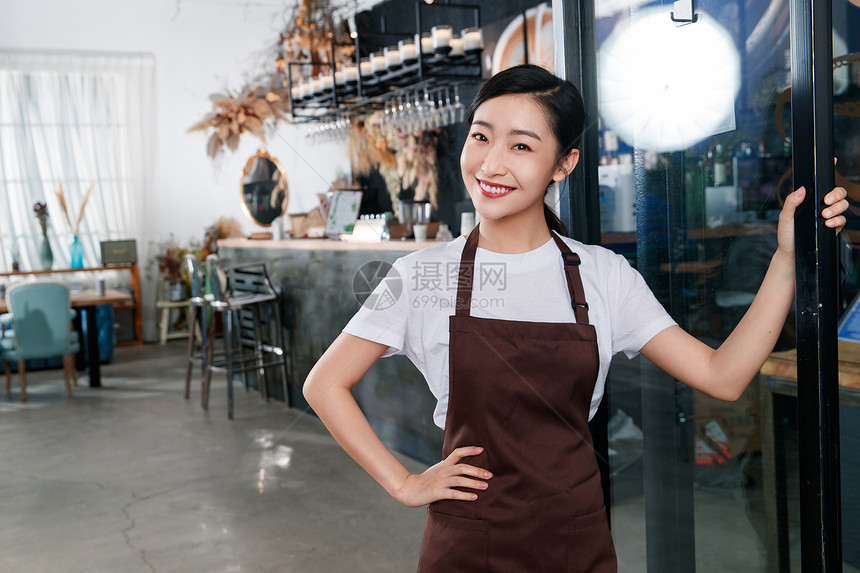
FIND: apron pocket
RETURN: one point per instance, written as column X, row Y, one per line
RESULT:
column 453, row 543
column 590, row 548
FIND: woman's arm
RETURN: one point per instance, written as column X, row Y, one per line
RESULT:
column 724, row 373
column 327, row 390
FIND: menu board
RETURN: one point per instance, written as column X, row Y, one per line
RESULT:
column 342, row 212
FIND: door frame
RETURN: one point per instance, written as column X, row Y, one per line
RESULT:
column 816, row 249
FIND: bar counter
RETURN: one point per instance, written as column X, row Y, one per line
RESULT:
column 315, row 280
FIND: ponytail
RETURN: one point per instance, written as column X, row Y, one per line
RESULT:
column 553, row 221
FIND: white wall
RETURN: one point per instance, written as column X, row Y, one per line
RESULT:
column 200, row 47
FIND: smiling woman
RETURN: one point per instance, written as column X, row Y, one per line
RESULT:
column 543, row 354
column 512, row 151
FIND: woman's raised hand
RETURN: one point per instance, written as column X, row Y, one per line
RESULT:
column 836, row 203
column 438, row 481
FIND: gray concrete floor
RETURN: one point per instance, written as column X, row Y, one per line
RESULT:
column 133, row 478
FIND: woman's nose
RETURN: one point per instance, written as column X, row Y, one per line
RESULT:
column 493, row 163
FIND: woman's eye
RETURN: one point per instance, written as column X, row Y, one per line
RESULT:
column 479, row 136
column 522, row 147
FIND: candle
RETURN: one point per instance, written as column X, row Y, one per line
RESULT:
column 364, row 65
column 457, row 50
column 377, row 63
column 339, row 77
column 316, row 86
column 326, row 81
column 473, row 39
column 426, row 42
column 305, row 88
column 408, row 51
column 350, row 73
column 392, row 57
column 296, row 92
column 441, row 38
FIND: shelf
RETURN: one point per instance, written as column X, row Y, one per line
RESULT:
column 369, row 94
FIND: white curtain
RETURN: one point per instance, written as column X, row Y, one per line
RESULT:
column 78, row 119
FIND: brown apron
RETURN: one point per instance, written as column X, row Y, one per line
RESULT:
column 522, row 390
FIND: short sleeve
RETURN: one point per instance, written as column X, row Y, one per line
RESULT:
column 637, row 315
column 384, row 315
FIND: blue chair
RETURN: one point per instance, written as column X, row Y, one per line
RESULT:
column 40, row 320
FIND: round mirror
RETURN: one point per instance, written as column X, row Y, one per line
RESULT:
column 264, row 189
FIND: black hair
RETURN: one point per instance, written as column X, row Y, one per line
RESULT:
column 560, row 100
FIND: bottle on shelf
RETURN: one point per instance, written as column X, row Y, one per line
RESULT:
column 719, row 168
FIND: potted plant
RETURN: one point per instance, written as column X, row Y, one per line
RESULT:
column 170, row 260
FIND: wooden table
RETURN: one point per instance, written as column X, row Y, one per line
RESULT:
column 779, row 377
column 133, row 304
column 89, row 299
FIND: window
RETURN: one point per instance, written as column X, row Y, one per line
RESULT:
column 80, row 120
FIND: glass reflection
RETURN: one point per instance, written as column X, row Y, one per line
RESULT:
column 692, row 489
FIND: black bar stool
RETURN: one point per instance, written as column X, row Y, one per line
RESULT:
column 199, row 311
column 253, row 336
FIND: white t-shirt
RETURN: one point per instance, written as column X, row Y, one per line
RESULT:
column 409, row 310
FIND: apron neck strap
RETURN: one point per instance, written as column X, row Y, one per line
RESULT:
column 467, row 271
column 571, row 270
column 574, row 280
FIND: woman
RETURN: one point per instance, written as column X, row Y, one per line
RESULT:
column 516, row 350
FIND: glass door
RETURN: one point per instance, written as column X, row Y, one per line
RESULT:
column 694, row 140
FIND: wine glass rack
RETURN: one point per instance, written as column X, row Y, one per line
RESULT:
column 368, row 93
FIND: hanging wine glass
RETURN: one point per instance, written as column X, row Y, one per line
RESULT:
column 459, row 111
column 427, row 107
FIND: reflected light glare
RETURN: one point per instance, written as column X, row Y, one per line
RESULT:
column 262, row 480
column 264, row 439
column 608, row 8
column 281, row 457
column 664, row 87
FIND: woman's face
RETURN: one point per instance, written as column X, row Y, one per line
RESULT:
column 509, row 158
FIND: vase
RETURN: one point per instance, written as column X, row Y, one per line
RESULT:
column 176, row 291
column 76, row 254
column 46, row 255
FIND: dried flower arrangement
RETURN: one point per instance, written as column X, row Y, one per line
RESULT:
column 64, row 206
column 221, row 229
column 243, row 112
column 368, row 148
column 40, row 209
column 311, row 29
column 170, row 259
column 416, row 164
column 264, row 101
column 413, row 155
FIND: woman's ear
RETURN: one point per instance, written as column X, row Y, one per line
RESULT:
column 566, row 165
